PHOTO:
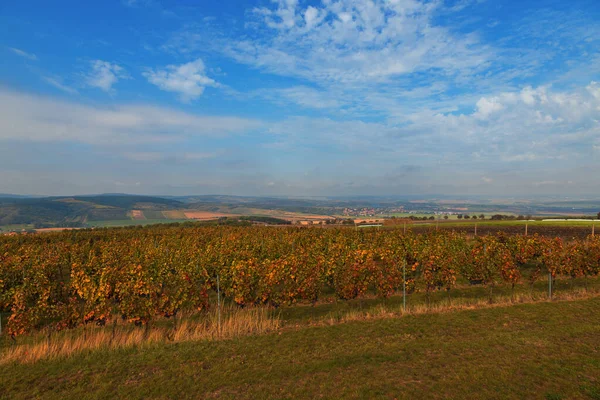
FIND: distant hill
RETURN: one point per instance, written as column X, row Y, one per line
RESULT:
column 76, row 210
column 116, row 209
column 16, row 196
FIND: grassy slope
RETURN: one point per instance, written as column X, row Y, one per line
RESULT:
column 544, row 350
column 131, row 222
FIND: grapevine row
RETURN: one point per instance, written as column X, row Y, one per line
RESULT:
column 66, row 279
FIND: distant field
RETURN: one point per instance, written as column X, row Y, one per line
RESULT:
column 131, row 222
column 176, row 214
column 154, row 214
column 450, row 217
column 565, row 229
column 18, row 227
column 106, row 214
column 204, row 215
column 138, row 214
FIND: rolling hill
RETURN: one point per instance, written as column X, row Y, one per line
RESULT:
column 74, row 211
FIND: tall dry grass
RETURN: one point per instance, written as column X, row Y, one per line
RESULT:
column 238, row 322
column 451, row 305
column 235, row 322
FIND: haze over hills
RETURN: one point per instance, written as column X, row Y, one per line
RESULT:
column 124, row 209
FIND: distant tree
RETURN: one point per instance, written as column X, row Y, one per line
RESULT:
column 481, row 216
column 446, row 217
column 466, row 217
column 474, row 217
column 598, row 216
column 432, row 217
column 459, row 216
column 528, row 216
column 520, row 217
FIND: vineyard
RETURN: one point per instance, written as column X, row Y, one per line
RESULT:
column 67, row 279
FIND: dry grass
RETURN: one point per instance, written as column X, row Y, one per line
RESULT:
column 238, row 322
column 205, row 215
column 137, row 214
column 174, row 214
column 455, row 304
column 235, row 323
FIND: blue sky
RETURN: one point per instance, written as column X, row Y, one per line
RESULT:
column 292, row 97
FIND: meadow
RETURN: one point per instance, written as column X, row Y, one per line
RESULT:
column 542, row 350
column 394, row 314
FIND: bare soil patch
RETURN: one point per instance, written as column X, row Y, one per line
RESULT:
column 205, row 215
column 137, row 214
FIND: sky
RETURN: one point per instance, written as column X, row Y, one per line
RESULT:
column 300, row 97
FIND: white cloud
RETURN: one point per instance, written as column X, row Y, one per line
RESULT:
column 520, row 157
column 282, row 17
column 103, row 75
column 463, row 149
column 154, row 156
column 189, row 80
column 311, row 16
column 594, row 89
column 304, row 96
column 24, row 54
column 356, row 41
column 44, row 119
column 485, row 106
column 57, row 83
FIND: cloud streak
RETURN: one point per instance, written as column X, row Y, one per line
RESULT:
column 43, row 119
column 24, row 54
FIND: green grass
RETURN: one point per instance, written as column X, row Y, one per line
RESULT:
column 18, row 227
column 131, row 222
column 441, row 217
column 535, row 351
column 153, row 214
column 487, row 222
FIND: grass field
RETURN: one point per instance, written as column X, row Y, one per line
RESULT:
column 533, row 351
column 441, row 217
column 564, row 229
column 154, row 214
column 356, row 349
column 131, row 222
column 11, row 228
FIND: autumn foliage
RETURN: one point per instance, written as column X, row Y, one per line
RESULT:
column 67, row 279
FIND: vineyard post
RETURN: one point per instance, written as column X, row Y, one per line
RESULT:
column 405, row 228
column 218, row 306
column 404, row 287
column 550, row 285
column 475, row 229
column 526, row 229
column 593, row 229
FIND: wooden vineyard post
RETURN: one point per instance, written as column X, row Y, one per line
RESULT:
column 593, row 229
column 526, row 229
column 475, row 229
column 405, row 228
column 404, row 287
column 218, row 306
